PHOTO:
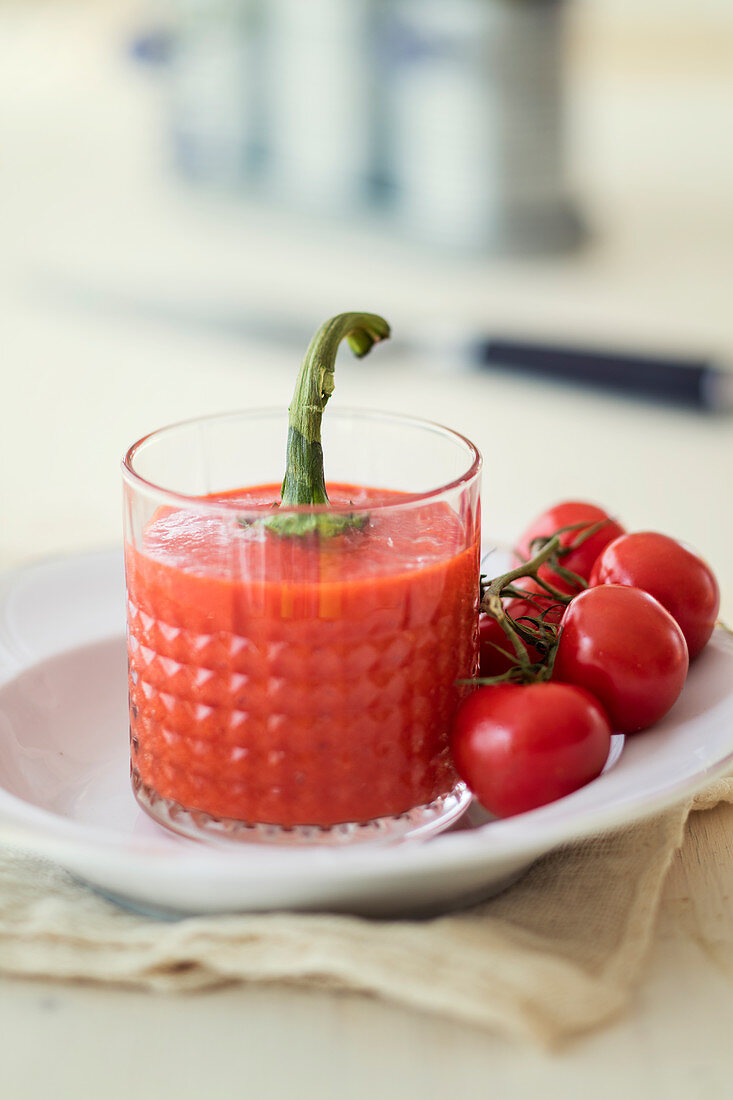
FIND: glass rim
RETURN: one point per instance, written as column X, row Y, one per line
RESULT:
column 136, row 480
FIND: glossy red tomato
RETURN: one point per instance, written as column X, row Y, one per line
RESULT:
column 519, row 746
column 677, row 577
column 621, row 644
column 582, row 559
column 493, row 639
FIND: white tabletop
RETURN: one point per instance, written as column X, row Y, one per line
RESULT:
column 111, row 274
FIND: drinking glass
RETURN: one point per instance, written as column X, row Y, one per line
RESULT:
column 300, row 688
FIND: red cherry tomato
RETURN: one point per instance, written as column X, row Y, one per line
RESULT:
column 674, row 575
column 578, row 561
column 493, row 638
column 620, row 644
column 519, row 746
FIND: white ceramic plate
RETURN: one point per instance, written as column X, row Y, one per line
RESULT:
column 65, row 793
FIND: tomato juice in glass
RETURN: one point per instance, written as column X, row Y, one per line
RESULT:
column 288, row 681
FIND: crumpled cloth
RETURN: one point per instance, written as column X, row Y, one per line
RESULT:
column 555, row 955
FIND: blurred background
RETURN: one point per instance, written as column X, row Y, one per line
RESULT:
column 189, row 187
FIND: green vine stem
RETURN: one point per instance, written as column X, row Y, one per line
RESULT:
column 527, row 630
column 304, row 481
column 529, row 568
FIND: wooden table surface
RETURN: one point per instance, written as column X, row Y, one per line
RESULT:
column 93, row 233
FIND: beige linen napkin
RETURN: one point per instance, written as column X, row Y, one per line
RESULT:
column 555, row 955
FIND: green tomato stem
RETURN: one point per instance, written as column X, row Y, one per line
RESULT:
column 523, row 631
column 527, row 569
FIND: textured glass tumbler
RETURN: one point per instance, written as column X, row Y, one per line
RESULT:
column 300, row 687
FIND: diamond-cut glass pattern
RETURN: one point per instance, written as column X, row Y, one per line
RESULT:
column 317, row 700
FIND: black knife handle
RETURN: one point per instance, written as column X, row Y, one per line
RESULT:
column 695, row 382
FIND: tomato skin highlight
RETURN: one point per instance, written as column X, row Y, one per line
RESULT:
column 681, row 580
column 520, row 746
column 582, row 559
column 621, row 645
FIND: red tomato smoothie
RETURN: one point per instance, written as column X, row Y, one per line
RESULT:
column 300, row 680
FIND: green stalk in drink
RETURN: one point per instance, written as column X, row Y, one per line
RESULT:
column 304, row 482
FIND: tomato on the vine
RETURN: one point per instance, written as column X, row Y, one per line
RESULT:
column 496, row 652
column 519, row 746
column 674, row 575
column 535, row 602
column 580, row 559
column 621, row 645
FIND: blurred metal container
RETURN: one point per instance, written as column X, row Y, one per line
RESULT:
column 442, row 120
column 217, row 113
column 474, row 123
column 320, row 102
